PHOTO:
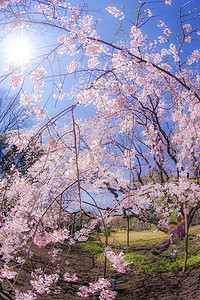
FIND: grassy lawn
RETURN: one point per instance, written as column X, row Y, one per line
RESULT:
column 194, row 229
column 154, row 261
column 119, row 238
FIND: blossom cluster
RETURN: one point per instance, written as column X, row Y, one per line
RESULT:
column 16, row 80
column 118, row 260
column 101, row 285
column 29, row 295
column 41, row 239
column 5, row 3
column 7, row 272
column 42, row 282
column 116, row 12
column 54, row 253
column 70, row 277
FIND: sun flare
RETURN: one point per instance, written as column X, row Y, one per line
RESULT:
column 19, row 50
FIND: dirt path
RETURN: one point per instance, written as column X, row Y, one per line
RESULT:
column 130, row 286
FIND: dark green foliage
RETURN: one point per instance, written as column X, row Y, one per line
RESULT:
column 136, row 259
column 156, row 252
column 22, row 160
column 97, row 228
column 165, row 266
column 162, row 266
column 92, row 248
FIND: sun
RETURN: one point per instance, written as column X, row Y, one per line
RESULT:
column 19, row 50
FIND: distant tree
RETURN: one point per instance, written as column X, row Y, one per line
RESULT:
column 13, row 117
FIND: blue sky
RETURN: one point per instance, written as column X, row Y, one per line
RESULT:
column 107, row 29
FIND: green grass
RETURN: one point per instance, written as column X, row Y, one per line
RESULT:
column 165, row 266
column 193, row 261
column 194, row 230
column 162, row 266
column 162, row 259
column 141, row 237
column 136, row 259
column 92, row 248
column 119, row 238
column 142, row 263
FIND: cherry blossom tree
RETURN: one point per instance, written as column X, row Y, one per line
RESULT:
column 138, row 151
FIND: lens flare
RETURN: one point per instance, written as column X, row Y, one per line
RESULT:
column 19, row 50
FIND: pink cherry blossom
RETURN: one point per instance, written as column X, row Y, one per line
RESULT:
column 42, row 282
column 188, row 39
column 38, row 75
column 42, row 8
column 29, row 295
column 167, row 31
column 62, row 39
column 62, row 50
column 114, row 11
column 117, row 261
column 107, row 294
column 149, row 12
column 59, row 235
column 93, row 62
column 101, row 285
column 41, row 239
column 73, row 67
column 187, row 27
column 16, row 80
column 70, row 277
column 71, row 43
column 54, row 254
column 7, row 273
column 162, row 39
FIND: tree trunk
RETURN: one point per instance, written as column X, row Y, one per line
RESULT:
column 128, row 230
column 105, row 258
column 186, row 241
